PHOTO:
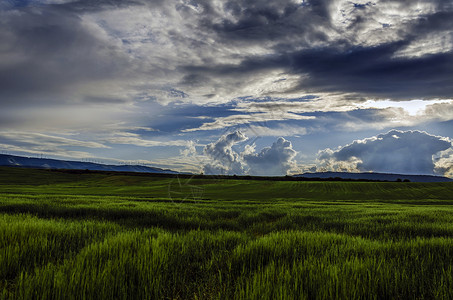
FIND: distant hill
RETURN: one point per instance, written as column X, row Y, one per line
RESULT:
column 45, row 163
column 376, row 176
column 19, row 161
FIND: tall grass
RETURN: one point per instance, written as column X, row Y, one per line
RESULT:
column 157, row 264
column 71, row 238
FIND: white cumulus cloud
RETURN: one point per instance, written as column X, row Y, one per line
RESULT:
column 408, row 152
column 277, row 159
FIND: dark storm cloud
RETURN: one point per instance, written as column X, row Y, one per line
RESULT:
column 368, row 71
column 442, row 20
column 73, row 5
column 409, row 152
column 374, row 69
column 48, row 49
column 83, row 5
column 263, row 20
column 212, row 52
column 47, row 53
column 286, row 24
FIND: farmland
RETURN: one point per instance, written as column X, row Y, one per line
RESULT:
column 113, row 236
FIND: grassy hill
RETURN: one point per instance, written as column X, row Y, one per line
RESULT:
column 66, row 235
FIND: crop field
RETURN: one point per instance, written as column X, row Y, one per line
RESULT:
column 113, row 236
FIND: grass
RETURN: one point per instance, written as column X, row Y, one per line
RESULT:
column 105, row 236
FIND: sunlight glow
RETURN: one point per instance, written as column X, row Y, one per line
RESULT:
column 412, row 107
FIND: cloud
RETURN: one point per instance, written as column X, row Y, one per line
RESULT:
column 444, row 162
column 129, row 138
column 261, row 21
column 334, row 47
column 54, row 57
column 82, row 65
column 374, row 72
column 38, row 143
column 116, row 51
column 440, row 111
column 262, row 116
column 304, row 104
column 408, row 152
column 280, row 130
column 244, row 119
column 44, row 140
column 224, row 159
column 190, row 149
column 54, row 151
column 277, row 159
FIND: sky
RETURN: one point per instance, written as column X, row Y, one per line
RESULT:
column 230, row 87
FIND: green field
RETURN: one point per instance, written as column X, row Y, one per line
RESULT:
column 107, row 236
